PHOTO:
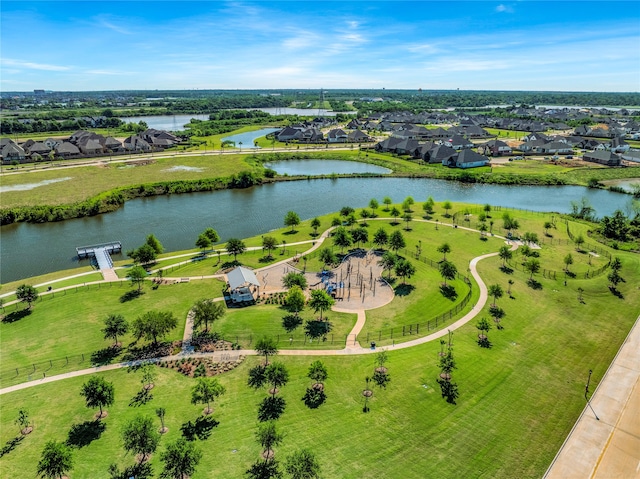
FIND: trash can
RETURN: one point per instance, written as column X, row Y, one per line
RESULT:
column 373, row 345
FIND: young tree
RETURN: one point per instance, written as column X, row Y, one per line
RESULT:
column 579, row 241
column 154, row 325
column 448, row 271
column 206, row 391
column 388, row 261
column 496, row 291
column 318, row 372
column 444, row 248
column 98, row 392
column 483, row 326
column 395, row 212
column 505, row 254
column 295, row 300
column 293, row 278
column 404, row 269
column 23, row 421
column 387, row 202
column 268, row 437
column 137, row 275
column 446, row 206
column 547, row 226
column 483, row 229
column 373, row 204
column 180, row 459
column 27, row 294
column 320, row 301
column 140, row 437
column 149, row 375
column 212, row 235
column 380, row 238
column 342, row 238
column 266, row 347
column 203, row 242
column 396, row 241
column 533, row 266
column 291, row 219
column 428, row 206
column 315, row 224
column 346, row 211
column 160, row 412
column 511, row 283
column 115, row 325
column 407, row 204
column 235, row 247
column 269, row 243
column 407, row 218
column 568, row 261
column 276, row 375
column 302, row 464
column 487, row 209
column 207, row 311
column 360, row 235
column 153, row 242
column 327, row 256
column 56, row 460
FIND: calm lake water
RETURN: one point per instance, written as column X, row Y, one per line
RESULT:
column 249, row 137
column 32, row 249
column 165, row 122
column 324, row 167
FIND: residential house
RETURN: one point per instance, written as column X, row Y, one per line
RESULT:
column 603, row 157
column 311, row 135
column 618, row 145
column 440, row 154
column 38, row 148
column 135, row 143
column 458, row 142
column 467, row 159
column 337, row 136
column 494, row 148
column 12, row 152
column 66, row 150
column 288, row 133
column 388, row 144
column 555, row 148
column 357, row 136
column 113, row 145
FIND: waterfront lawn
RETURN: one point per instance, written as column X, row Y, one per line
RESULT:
column 246, row 325
column 87, row 181
column 70, row 323
column 518, row 400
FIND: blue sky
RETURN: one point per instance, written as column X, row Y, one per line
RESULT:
column 517, row 45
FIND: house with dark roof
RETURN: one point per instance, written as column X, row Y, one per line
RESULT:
column 388, row 144
column 440, row 154
column 603, row 158
column 288, row 133
column 494, row 148
column 337, row 135
column 12, row 152
column 357, row 136
column 67, row 149
column 458, row 142
column 135, row 143
column 38, row 148
column 467, row 159
column 556, row 148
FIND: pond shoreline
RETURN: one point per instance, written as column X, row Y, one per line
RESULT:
column 111, row 200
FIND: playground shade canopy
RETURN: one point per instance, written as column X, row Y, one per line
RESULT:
column 240, row 281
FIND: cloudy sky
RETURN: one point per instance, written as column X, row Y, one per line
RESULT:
column 519, row 45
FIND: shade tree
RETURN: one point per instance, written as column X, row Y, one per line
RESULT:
column 302, row 464
column 320, row 301
column 404, row 269
column 137, row 275
column 266, row 346
column 444, row 248
column 154, row 325
column 180, row 459
column 140, row 437
column 235, row 247
column 396, row 241
column 98, row 392
column 206, row 391
column 360, row 235
column 115, row 325
column 291, row 219
column 56, row 460
column 206, row 311
column 380, row 238
column 26, row 293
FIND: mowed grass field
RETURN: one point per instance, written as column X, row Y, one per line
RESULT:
column 518, row 399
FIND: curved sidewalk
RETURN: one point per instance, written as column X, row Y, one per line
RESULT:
column 608, row 446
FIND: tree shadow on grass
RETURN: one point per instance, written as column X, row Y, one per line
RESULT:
column 139, row 471
column 141, row 398
column 616, row 293
column 230, row 264
column 484, row 343
column 16, row 316
column 271, row 408
column 403, row 289
column 448, row 292
column 105, row 355
column 10, row 445
column 85, row 433
column 131, row 295
column 506, row 269
column 533, row 284
column 200, row 429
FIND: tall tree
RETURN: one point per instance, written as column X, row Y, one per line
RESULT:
column 140, row 437
column 360, row 235
column 407, row 204
column 137, row 275
column 235, row 247
column 315, row 224
column 212, row 235
column 27, row 294
column 505, row 254
column 115, row 325
column 380, row 238
column 302, row 464
column 294, row 278
column 266, row 347
column 277, row 376
column 206, row 391
column 447, row 270
column 203, row 242
column 396, row 241
column 264, row 470
column 154, row 243
column 387, row 202
column 373, row 204
column 149, row 373
column 388, row 261
column 320, row 301
column 268, row 437
column 447, row 206
column 318, row 372
column 180, row 459
column 295, row 300
column 98, row 392
column 395, row 212
column 56, row 460
column 568, row 261
column 291, row 219
column 207, row 311
column 342, row 238
column 269, row 243
column 533, row 266
column 154, row 325
column 327, row 256
column 143, row 255
column 428, row 206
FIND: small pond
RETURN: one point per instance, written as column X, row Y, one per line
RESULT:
column 324, row 167
column 245, row 140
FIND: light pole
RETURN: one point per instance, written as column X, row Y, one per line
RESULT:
column 586, row 391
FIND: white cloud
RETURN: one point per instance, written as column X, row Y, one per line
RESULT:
column 502, row 8
column 113, row 26
column 32, row 65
